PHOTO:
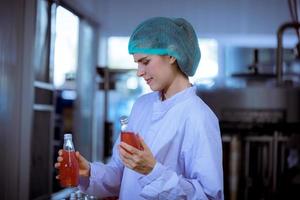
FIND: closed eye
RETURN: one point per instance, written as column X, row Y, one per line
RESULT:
column 145, row 62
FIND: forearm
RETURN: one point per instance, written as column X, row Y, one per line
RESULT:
column 104, row 180
column 163, row 183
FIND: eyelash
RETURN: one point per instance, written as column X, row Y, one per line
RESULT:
column 146, row 62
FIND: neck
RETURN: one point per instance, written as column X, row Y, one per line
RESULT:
column 179, row 84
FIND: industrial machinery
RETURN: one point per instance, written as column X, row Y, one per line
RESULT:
column 258, row 114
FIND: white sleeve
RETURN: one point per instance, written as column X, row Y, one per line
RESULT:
column 163, row 183
column 105, row 179
column 203, row 176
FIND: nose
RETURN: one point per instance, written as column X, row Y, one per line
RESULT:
column 141, row 71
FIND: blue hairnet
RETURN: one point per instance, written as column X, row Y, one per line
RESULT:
column 166, row 36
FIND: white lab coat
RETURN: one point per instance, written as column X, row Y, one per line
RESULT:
column 183, row 135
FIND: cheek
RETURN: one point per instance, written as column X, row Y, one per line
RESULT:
column 157, row 68
column 153, row 69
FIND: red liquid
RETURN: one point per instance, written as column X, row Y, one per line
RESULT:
column 131, row 139
column 69, row 170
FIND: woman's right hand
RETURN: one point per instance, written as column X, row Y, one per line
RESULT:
column 84, row 165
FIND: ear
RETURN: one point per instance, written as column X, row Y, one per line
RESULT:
column 172, row 60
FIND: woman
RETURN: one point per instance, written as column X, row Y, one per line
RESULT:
column 182, row 150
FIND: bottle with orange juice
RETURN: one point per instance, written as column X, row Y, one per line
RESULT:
column 69, row 168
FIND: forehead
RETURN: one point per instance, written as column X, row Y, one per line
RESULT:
column 139, row 57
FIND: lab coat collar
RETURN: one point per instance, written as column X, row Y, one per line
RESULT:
column 160, row 108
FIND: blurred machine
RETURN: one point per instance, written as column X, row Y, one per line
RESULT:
column 258, row 114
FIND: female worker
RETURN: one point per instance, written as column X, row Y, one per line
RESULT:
column 182, row 149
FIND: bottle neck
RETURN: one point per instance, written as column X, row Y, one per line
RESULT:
column 123, row 127
column 124, row 122
column 68, row 145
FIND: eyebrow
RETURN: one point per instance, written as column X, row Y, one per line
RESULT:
column 141, row 59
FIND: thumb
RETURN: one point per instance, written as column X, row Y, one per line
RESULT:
column 79, row 157
column 84, row 165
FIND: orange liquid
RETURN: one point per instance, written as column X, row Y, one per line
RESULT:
column 69, row 170
column 131, row 139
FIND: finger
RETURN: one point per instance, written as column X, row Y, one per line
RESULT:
column 59, row 159
column 128, row 163
column 79, row 156
column 60, row 152
column 136, row 159
column 57, row 177
column 121, row 153
column 124, row 159
column 57, row 165
column 124, row 153
column 129, row 148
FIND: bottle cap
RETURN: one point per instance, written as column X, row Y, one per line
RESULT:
column 67, row 136
column 124, row 119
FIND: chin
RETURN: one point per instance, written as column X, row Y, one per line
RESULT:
column 153, row 88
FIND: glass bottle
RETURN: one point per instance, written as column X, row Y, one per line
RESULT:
column 128, row 136
column 69, row 168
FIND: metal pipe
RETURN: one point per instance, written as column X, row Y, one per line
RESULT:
column 247, row 170
column 279, row 60
column 275, row 153
column 235, row 161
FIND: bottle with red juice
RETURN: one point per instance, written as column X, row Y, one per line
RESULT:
column 127, row 136
column 69, row 168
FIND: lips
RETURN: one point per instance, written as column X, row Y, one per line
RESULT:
column 148, row 80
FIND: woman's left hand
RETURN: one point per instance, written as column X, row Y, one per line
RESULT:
column 141, row 161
